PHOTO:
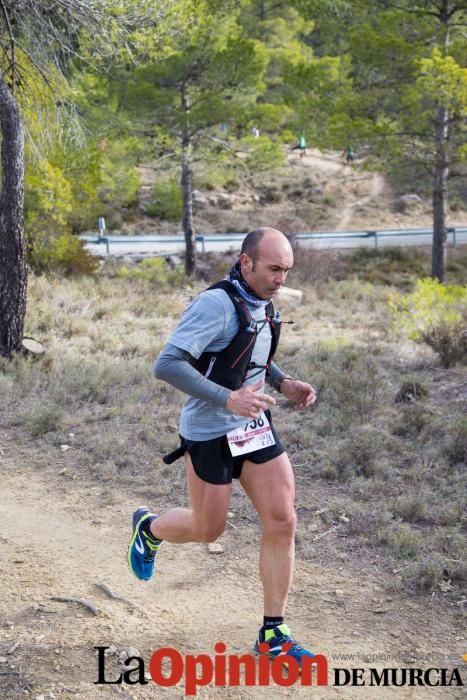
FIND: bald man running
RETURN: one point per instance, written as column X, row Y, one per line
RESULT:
column 220, row 354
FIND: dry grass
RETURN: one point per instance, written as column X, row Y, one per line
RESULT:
column 92, row 390
column 15, row 683
column 395, row 468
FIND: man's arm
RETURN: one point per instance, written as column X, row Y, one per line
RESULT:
column 173, row 366
column 275, row 376
column 301, row 393
column 204, row 323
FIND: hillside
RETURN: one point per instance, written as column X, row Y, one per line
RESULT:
column 316, row 192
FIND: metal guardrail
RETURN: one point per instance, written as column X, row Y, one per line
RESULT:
column 203, row 239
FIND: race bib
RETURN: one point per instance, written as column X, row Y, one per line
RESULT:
column 253, row 435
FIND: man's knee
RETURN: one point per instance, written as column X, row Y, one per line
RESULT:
column 281, row 523
column 210, row 532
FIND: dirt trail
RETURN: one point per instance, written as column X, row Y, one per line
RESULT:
column 360, row 187
column 315, row 160
column 56, row 538
column 377, row 184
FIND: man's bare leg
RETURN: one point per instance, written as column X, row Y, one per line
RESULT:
column 271, row 489
column 204, row 521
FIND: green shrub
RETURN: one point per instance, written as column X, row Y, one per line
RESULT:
column 458, row 571
column 453, row 444
column 155, row 270
column 430, row 303
column 262, row 153
column 413, row 420
column 448, row 340
column 403, row 541
column 367, row 520
column 53, row 198
column 449, row 514
column 412, row 506
column 329, row 471
column 395, row 266
column 271, row 195
column 119, row 178
column 66, row 254
column 168, row 202
column 435, row 314
column 353, row 290
column 425, row 574
column 48, row 203
column 364, row 452
column 215, row 178
column 43, row 419
column 48, row 200
column 287, row 136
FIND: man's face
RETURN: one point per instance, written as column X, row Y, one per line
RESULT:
column 268, row 272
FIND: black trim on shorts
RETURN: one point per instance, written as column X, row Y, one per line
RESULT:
column 214, row 463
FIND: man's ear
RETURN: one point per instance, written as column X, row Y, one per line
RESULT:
column 246, row 263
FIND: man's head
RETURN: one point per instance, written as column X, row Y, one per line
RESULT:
column 265, row 259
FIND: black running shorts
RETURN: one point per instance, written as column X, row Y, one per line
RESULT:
column 213, row 462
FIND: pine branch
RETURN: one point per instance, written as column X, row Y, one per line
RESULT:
column 12, row 42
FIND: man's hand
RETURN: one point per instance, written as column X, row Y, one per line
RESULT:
column 302, row 393
column 246, row 402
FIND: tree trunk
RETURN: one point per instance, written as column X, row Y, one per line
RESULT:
column 13, row 270
column 187, row 196
column 440, row 198
column 441, row 172
column 188, row 227
column 440, row 201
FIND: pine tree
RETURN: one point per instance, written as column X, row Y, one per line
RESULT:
column 407, row 64
column 38, row 38
column 210, row 75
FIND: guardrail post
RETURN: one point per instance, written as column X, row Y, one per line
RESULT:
column 104, row 239
column 454, row 238
column 375, row 236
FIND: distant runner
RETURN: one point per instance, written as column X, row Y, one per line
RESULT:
column 349, row 154
column 300, row 145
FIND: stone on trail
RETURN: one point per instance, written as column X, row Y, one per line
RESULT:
column 215, row 548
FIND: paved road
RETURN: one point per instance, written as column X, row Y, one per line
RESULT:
column 147, row 245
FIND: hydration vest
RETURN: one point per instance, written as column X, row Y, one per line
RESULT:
column 229, row 367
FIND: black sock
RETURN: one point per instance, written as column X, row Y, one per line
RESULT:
column 146, row 527
column 270, row 622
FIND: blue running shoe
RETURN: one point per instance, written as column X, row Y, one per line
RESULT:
column 276, row 637
column 143, row 548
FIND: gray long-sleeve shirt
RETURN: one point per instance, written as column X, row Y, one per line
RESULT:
column 173, row 366
column 209, row 324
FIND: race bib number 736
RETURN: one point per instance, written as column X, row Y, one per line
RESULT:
column 253, row 435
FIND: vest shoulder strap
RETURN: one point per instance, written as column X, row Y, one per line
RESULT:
column 239, row 303
column 240, row 306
